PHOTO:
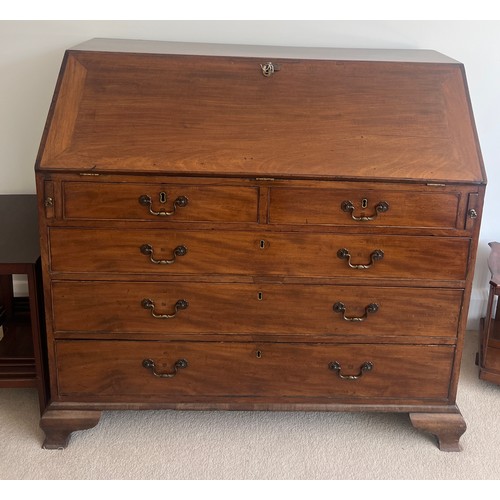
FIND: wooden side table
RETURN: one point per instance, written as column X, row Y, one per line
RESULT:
column 488, row 357
column 21, row 347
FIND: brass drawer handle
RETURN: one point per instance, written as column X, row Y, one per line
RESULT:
column 380, row 207
column 180, row 201
column 339, row 307
column 148, row 249
column 179, row 306
column 376, row 255
column 365, row 367
column 150, row 364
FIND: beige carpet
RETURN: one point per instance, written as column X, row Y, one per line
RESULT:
column 255, row 445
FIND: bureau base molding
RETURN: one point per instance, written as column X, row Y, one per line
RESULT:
column 444, row 422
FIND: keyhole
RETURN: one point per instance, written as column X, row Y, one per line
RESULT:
column 260, row 296
column 262, row 244
column 364, row 203
column 258, row 354
column 163, row 197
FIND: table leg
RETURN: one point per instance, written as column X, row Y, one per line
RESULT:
column 7, row 294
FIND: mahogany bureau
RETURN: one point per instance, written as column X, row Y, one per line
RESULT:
column 257, row 228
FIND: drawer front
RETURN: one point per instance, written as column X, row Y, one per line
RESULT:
column 114, row 308
column 106, row 370
column 364, row 207
column 160, row 202
column 249, row 253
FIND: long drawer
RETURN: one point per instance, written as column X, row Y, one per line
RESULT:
column 298, row 254
column 162, row 371
column 113, row 308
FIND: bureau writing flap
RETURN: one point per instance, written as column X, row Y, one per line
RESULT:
column 233, row 115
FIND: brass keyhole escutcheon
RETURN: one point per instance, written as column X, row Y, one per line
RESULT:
column 269, row 68
column 146, row 201
column 258, row 354
column 260, row 296
column 349, row 207
column 262, row 244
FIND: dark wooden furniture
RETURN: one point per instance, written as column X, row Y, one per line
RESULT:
column 488, row 357
column 21, row 358
column 257, row 228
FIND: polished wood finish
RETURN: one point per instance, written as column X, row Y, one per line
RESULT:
column 281, row 254
column 448, row 428
column 265, row 369
column 406, row 209
column 22, row 348
column 59, row 425
column 245, row 125
column 214, row 238
column 116, row 201
column 235, row 308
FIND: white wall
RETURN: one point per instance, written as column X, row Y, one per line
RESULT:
column 31, row 53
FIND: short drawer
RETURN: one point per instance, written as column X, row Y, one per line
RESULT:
column 365, row 207
column 169, row 252
column 172, row 308
column 164, row 371
column 159, row 202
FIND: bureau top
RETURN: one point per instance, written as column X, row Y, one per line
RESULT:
column 216, row 110
column 265, row 51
